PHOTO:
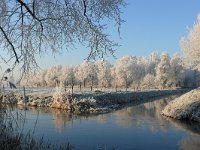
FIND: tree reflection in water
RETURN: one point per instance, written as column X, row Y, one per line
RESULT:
column 149, row 114
column 146, row 115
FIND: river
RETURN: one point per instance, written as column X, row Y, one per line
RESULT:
column 138, row 127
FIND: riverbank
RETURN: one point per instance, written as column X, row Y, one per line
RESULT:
column 185, row 107
column 95, row 102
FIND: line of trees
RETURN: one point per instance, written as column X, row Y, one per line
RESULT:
column 154, row 71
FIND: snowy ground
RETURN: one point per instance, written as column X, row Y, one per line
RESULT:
column 185, row 107
column 51, row 90
column 85, row 100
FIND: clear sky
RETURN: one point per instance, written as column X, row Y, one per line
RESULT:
column 151, row 25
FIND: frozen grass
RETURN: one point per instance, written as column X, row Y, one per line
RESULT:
column 186, row 106
column 90, row 102
column 51, row 90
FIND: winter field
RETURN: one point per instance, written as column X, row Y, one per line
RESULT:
column 51, row 90
column 85, row 101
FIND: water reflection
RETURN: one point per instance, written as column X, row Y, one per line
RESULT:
column 119, row 127
column 149, row 114
column 143, row 114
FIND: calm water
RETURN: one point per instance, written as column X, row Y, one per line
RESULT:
column 134, row 127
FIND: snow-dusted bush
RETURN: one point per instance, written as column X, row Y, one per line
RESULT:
column 59, row 99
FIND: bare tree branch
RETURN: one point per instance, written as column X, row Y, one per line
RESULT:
column 10, row 43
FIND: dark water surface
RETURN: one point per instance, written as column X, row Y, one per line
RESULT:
column 134, row 127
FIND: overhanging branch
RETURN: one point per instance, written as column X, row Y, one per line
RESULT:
column 10, row 43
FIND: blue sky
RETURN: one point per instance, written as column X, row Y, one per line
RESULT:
column 151, row 25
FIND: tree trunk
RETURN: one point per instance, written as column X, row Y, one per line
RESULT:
column 92, row 82
column 126, row 85
column 80, row 86
column 24, row 95
column 65, row 88
column 72, row 88
column 84, row 83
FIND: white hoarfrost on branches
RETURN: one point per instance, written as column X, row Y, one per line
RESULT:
column 53, row 75
column 81, row 73
column 176, row 75
column 128, row 71
column 163, row 72
column 152, row 63
column 58, row 97
column 68, row 75
column 187, row 106
column 148, row 82
column 32, row 27
column 154, row 71
column 124, row 71
column 86, row 73
column 190, row 44
column 104, row 73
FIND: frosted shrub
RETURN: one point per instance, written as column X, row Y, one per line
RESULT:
column 58, row 97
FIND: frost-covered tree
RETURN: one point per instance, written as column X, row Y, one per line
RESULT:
column 124, row 71
column 152, row 63
column 190, row 44
column 176, row 74
column 92, row 74
column 148, row 82
column 86, row 73
column 37, row 79
column 32, row 27
column 81, row 74
column 114, row 80
column 42, row 77
column 139, row 71
column 129, row 71
column 68, row 76
column 163, row 72
column 104, row 73
column 53, row 75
